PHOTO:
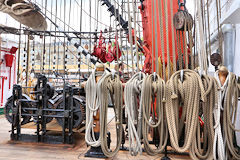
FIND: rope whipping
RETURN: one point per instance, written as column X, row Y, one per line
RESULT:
column 153, row 88
column 132, row 92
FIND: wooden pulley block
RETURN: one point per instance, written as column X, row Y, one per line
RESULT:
column 215, row 59
column 182, row 17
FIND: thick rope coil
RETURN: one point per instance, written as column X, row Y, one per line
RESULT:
column 131, row 93
column 218, row 144
column 186, row 93
column 153, row 86
column 109, row 84
column 206, row 152
column 229, row 95
column 92, row 105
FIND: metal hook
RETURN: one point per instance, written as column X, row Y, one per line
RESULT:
column 154, row 76
column 200, row 73
column 140, row 75
column 113, row 73
column 181, row 75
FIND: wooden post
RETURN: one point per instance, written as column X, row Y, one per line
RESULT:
column 96, row 152
column 223, row 73
column 97, row 117
column 28, row 53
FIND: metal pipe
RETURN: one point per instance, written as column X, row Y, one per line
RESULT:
column 229, row 39
column 229, row 46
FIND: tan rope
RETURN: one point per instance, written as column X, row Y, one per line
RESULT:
column 196, row 151
column 152, row 20
column 156, row 36
column 230, row 115
column 190, row 37
column 112, row 85
column 189, row 91
column 219, row 28
column 130, row 35
column 132, row 91
column 167, row 37
column 180, row 58
column 184, row 37
column 163, row 70
column 209, row 33
column 135, row 34
column 173, row 38
column 151, row 88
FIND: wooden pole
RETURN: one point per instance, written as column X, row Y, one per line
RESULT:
column 27, row 65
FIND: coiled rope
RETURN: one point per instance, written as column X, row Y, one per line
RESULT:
column 186, row 93
column 132, row 91
column 218, row 144
column 153, row 87
column 229, row 95
column 110, row 84
column 92, row 105
column 206, row 152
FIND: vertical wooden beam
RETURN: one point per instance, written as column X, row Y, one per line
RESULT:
column 27, row 65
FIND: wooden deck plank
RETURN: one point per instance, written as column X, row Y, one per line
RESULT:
column 35, row 151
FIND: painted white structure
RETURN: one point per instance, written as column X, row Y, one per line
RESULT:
column 5, row 79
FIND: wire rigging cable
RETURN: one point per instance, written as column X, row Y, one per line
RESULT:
column 201, row 40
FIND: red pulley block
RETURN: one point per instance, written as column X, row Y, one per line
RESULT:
column 9, row 62
column 9, row 59
column 103, row 54
column 13, row 50
column 109, row 56
column 116, row 54
column 100, row 49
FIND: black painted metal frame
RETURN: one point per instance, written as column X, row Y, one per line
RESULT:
column 40, row 111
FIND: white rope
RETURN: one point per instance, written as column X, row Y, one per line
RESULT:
column 201, row 39
column 218, row 143
column 110, row 84
column 92, row 105
column 132, row 90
